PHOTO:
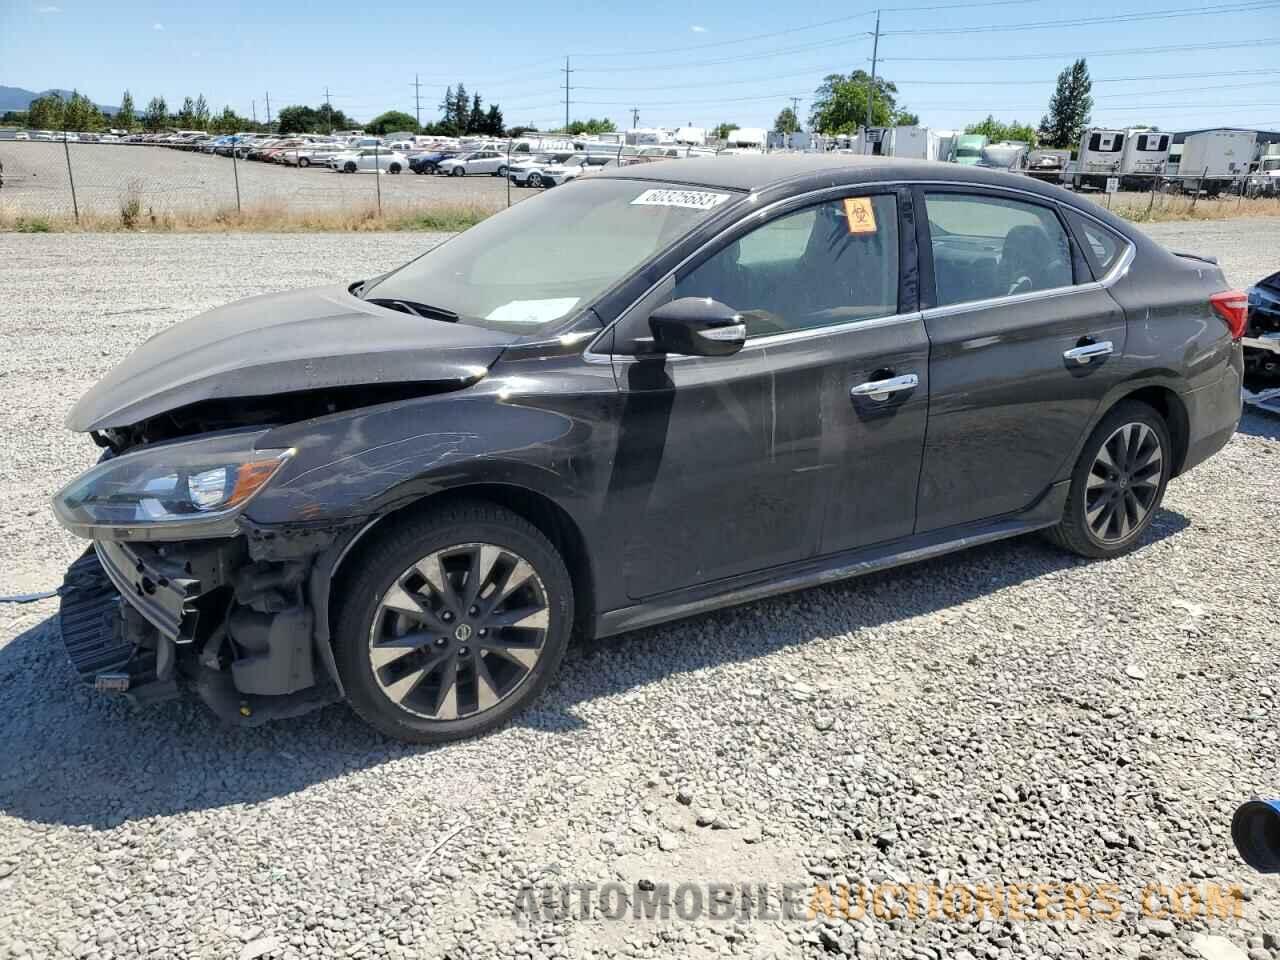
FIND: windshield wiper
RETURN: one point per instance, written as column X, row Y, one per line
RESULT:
column 417, row 309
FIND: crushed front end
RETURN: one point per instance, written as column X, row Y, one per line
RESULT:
column 179, row 590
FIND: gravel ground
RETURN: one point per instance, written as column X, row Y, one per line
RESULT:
column 36, row 182
column 1007, row 715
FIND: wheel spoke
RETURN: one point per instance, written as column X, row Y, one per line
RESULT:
column 405, row 685
column 433, row 573
column 524, row 655
column 446, row 706
column 482, row 563
column 486, row 691
column 392, row 649
column 400, row 600
column 531, row 618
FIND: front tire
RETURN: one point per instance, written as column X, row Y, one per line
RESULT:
column 349, row 166
column 394, row 168
column 457, row 621
column 1118, row 483
column 457, row 172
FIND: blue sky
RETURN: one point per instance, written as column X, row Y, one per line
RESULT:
column 717, row 60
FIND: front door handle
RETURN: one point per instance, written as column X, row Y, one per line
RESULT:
column 1087, row 351
column 881, row 389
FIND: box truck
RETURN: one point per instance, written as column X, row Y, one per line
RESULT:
column 917, row 143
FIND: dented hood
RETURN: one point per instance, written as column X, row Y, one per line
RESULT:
column 283, row 343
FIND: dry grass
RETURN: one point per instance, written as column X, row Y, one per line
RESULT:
column 136, row 216
column 1159, row 207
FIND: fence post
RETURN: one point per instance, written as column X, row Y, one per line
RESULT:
column 235, row 171
column 377, row 176
column 75, row 205
column 1199, row 187
column 508, row 176
column 1152, row 202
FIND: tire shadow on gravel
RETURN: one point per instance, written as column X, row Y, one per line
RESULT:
column 74, row 756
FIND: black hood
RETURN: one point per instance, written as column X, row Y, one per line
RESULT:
column 283, row 343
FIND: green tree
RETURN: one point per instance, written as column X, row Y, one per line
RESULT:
column 475, row 115
column 187, row 113
column 391, row 121
column 297, row 119
column 995, row 131
column 461, row 108
column 45, row 113
column 201, row 112
column 328, row 119
column 722, row 130
column 591, row 126
column 448, row 125
column 905, row 118
column 1069, row 108
column 157, row 115
column 125, row 117
column 786, row 121
column 81, row 113
column 16, row 118
column 493, row 121
column 228, row 122
column 840, row 103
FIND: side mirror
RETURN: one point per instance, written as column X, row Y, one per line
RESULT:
column 697, row 326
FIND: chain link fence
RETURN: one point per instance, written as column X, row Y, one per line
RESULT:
column 139, row 184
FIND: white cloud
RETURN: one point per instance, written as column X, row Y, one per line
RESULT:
column 698, row 29
column 157, row 26
column 48, row 8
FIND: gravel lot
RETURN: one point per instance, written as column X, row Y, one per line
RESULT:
column 36, row 183
column 1007, row 715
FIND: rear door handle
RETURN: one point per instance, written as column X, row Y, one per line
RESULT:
column 1087, row 351
column 881, row 389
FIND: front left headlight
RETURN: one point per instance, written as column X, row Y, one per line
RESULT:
column 177, row 491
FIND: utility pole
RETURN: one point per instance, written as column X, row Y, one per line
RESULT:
column 565, row 69
column 635, row 117
column 871, row 90
column 417, row 100
column 255, row 111
column 329, row 104
column 268, row 111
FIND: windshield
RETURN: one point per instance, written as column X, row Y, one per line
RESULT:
column 527, row 268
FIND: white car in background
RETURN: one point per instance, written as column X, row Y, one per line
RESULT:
column 21, row 135
column 480, row 161
column 43, row 135
column 370, row 159
column 528, row 173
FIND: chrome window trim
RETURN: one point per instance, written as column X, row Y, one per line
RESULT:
column 1121, row 267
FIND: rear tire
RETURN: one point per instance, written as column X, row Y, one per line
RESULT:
column 1118, row 483
column 460, row 663
column 457, row 172
column 394, row 168
column 349, row 166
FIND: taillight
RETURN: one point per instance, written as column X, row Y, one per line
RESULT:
column 1233, row 307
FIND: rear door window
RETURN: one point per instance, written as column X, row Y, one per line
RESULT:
column 987, row 246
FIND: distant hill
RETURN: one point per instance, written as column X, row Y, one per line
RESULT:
column 17, row 98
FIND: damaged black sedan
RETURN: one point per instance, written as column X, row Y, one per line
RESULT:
column 656, row 392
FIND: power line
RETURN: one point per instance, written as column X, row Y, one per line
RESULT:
column 1150, row 76
column 834, row 42
column 1240, row 7
column 1126, row 51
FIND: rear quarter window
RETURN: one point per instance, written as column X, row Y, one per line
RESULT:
column 1102, row 247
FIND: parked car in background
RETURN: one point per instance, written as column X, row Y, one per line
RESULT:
column 1262, row 336
column 312, row 154
column 528, row 173
column 21, row 135
column 409, row 491
column 429, row 161
column 480, row 161
column 1047, row 165
column 43, row 135
column 1006, row 155
column 369, row 159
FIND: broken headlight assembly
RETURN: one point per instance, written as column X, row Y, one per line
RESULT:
column 178, row 491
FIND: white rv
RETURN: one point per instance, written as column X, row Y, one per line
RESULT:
column 1145, row 158
column 1212, row 160
column 1099, row 157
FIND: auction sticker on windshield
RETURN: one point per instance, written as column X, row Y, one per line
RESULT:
column 693, row 199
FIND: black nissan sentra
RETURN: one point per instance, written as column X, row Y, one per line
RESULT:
column 645, row 395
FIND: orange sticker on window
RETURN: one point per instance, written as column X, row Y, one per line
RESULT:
column 860, row 215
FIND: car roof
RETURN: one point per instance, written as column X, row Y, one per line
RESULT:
column 809, row 171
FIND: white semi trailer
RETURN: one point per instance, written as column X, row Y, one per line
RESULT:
column 1144, row 159
column 1215, row 159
